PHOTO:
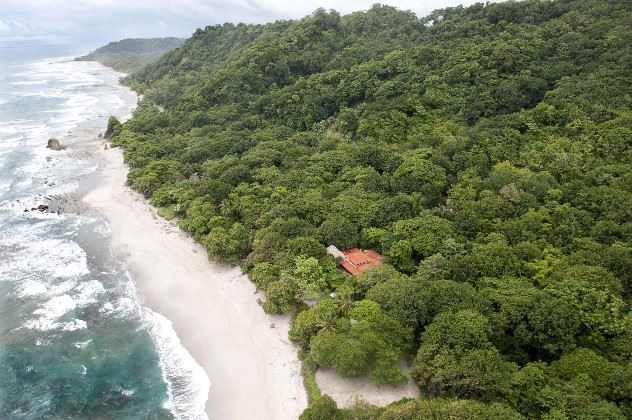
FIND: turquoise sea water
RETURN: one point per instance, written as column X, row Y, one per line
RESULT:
column 74, row 341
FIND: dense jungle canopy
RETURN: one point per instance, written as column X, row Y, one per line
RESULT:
column 485, row 151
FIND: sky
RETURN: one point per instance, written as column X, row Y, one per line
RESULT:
column 96, row 22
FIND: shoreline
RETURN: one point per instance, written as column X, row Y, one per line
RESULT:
column 252, row 366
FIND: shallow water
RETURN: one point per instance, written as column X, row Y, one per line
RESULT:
column 74, row 341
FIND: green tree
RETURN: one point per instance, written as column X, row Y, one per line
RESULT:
column 457, row 358
column 485, row 149
column 263, row 274
column 368, row 341
column 426, row 234
column 340, row 232
column 324, row 408
column 597, row 370
column 400, row 256
column 280, row 297
column 228, row 245
column 418, row 174
column 309, row 322
column 551, row 327
column 399, row 297
column 113, row 129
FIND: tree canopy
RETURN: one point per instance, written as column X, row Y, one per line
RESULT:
column 484, row 150
column 132, row 54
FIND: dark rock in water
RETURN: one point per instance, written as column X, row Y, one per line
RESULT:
column 105, row 147
column 54, row 144
column 41, row 207
column 194, row 177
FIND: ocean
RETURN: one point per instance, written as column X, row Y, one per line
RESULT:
column 75, row 342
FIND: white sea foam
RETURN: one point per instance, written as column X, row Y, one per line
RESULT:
column 123, row 391
column 87, row 292
column 51, row 93
column 77, row 108
column 62, row 287
column 27, row 133
column 82, row 344
column 103, row 230
column 57, row 306
column 47, row 324
column 128, row 392
column 46, row 265
column 187, row 382
column 7, row 129
column 4, row 185
column 30, row 83
column 107, row 309
column 121, row 308
column 52, row 257
column 10, row 143
column 31, row 288
column 75, row 324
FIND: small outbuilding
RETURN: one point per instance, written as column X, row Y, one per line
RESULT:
column 355, row 260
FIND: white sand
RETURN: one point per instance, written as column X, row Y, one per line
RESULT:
column 347, row 391
column 253, row 368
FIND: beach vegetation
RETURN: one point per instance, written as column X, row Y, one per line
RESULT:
column 308, row 372
column 113, row 128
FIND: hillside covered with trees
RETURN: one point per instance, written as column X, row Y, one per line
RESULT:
column 485, row 151
column 132, row 54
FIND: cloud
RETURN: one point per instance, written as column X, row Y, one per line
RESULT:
column 94, row 22
column 12, row 28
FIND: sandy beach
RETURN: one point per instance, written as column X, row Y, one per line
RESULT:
column 253, row 368
column 347, row 391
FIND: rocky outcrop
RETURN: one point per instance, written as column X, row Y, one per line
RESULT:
column 42, row 208
column 54, row 144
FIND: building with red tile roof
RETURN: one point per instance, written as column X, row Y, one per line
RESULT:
column 356, row 260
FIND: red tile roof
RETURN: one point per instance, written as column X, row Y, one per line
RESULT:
column 357, row 260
